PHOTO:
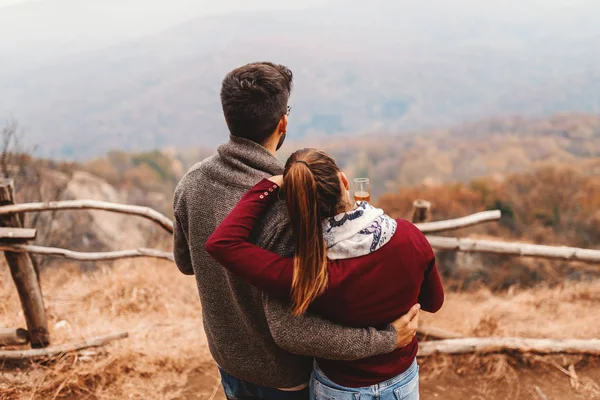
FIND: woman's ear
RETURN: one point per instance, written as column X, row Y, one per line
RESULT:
column 345, row 182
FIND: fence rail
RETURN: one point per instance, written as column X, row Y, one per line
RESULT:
column 503, row 344
column 515, row 249
column 84, row 256
column 13, row 239
column 17, row 234
column 458, row 223
column 144, row 212
column 18, row 355
column 445, row 243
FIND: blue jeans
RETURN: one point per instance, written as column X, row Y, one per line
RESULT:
column 402, row 387
column 237, row 389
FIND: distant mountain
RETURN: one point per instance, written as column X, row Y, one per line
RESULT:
column 385, row 68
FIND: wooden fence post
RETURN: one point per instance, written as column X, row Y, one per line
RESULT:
column 421, row 210
column 25, row 277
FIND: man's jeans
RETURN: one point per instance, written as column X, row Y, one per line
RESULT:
column 402, row 387
column 237, row 389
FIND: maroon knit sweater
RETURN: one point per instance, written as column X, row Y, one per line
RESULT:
column 372, row 290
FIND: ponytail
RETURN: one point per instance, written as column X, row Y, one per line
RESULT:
column 310, row 260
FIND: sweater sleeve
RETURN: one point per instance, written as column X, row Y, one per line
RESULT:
column 305, row 334
column 181, row 250
column 311, row 335
column 230, row 244
column 431, row 294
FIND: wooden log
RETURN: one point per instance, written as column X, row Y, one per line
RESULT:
column 13, row 337
column 144, row 212
column 516, row 249
column 17, row 234
column 421, row 211
column 82, row 256
column 16, row 355
column 25, row 277
column 508, row 344
column 463, row 222
column 437, row 333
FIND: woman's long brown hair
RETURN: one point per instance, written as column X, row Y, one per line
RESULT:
column 312, row 192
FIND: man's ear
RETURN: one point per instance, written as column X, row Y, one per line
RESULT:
column 345, row 181
column 283, row 124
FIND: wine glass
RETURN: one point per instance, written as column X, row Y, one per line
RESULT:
column 362, row 190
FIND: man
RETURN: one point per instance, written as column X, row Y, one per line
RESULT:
column 262, row 350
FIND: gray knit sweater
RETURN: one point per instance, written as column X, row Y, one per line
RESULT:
column 251, row 336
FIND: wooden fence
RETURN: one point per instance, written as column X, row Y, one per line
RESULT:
column 14, row 239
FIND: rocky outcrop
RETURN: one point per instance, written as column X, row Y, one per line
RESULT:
column 108, row 230
column 92, row 230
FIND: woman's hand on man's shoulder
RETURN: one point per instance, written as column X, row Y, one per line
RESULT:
column 277, row 179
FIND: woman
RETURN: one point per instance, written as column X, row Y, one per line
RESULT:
column 353, row 264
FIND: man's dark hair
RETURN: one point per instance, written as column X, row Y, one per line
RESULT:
column 255, row 98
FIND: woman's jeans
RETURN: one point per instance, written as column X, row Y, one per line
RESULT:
column 402, row 387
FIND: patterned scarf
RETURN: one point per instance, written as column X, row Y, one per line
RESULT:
column 358, row 232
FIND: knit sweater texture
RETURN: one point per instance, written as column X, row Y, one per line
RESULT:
column 251, row 336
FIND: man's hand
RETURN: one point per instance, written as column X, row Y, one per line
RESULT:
column 407, row 326
column 277, row 179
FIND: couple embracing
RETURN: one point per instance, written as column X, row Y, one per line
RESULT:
column 300, row 286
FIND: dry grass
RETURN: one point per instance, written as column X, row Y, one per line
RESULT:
column 495, row 369
column 153, row 301
column 166, row 355
column 570, row 311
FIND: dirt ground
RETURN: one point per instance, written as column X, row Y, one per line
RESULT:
column 166, row 356
column 459, row 380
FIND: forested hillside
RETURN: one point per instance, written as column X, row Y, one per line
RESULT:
column 553, row 205
column 494, row 147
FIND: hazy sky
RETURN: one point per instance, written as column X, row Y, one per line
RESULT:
column 4, row 3
column 201, row 6
column 38, row 31
column 43, row 19
column 137, row 17
column 230, row 5
column 44, row 30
